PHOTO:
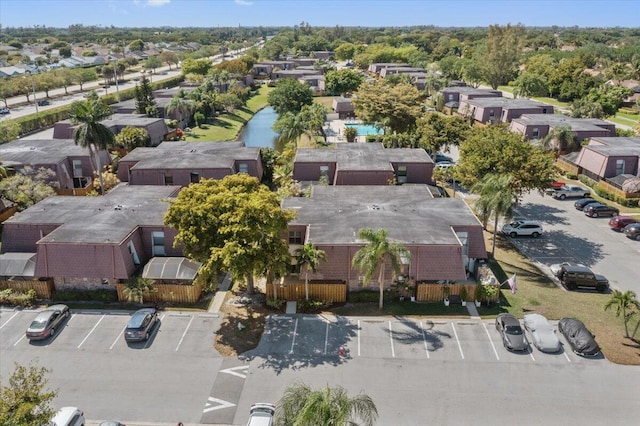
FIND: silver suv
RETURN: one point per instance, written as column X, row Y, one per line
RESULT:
column 523, row 228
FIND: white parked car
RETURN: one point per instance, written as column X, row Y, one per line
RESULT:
column 261, row 414
column 68, row 416
column 519, row 228
column 542, row 333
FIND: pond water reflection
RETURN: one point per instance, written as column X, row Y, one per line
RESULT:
column 258, row 131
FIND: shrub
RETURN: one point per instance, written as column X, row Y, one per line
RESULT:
column 199, row 118
column 86, row 295
column 9, row 297
column 370, row 296
column 276, row 304
column 312, row 305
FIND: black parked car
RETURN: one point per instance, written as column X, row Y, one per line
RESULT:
column 632, row 231
column 599, row 209
column 4, row 110
column 581, row 340
column 583, row 202
column 140, row 325
column 43, row 102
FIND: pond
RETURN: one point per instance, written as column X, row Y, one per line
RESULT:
column 258, row 131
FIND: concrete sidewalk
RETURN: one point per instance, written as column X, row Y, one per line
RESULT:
column 221, row 293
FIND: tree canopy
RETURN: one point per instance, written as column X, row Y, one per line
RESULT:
column 290, row 96
column 495, row 150
column 392, row 107
column 233, row 224
column 343, row 81
column 498, row 56
column 25, row 401
column 438, row 131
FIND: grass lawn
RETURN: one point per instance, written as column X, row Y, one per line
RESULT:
column 226, row 127
column 327, row 101
column 552, row 101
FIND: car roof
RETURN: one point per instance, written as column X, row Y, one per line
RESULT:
column 509, row 319
column 138, row 316
column 58, row 307
column 576, row 268
column 535, row 320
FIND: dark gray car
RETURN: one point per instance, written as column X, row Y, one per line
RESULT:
column 47, row 321
column 513, row 337
column 140, row 325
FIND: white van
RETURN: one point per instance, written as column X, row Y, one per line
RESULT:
column 261, row 414
column 68, row 416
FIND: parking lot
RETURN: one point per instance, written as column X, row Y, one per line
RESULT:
column 94, row 368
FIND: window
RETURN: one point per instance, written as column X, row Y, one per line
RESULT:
column 194, row 177
column 157, row 242
column 401, row 174
column 77, row 168
column 168, row 179
column 134, row 253
column 295, row 237
column 324, row 171
column 451, row 97
column 492, row 115
column 619, row 167
column 80, row 182
column 535, row 134
column 243, row 168
column 544, row 110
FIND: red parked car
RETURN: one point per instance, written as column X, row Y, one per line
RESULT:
column 617, row 223
column 557, row 184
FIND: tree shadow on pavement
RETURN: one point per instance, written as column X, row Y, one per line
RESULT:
column 415, row 333
column 544, row 213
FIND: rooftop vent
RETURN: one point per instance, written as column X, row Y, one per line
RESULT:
column 375, row 207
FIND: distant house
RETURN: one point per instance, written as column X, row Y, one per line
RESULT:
column 163, row 98
column 316, row 82
column 282, row 74
column 11, row 71
column 156, row 127
column 70, row 162
column 376, row 68
column 93, row 242
column 387, row 71
column 343, row 107
column 538, row 126
column 500, row 110
column 442, row 234
column 634, row 85
column 605, row 158
column 322, row 54
column 304, row 61
column 183, row 163
column 265, row 68
column 363, row 164
column 458, row 93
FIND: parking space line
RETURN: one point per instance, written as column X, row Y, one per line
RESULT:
column 185, row 333
column 7, row 321
column 20, row 340
column 358, row 337
column 530, row 346
column 565, row 354
column 491, row 341
column 326, row 339
column 92, row 330
column 117, row 338
column 295, row 331
column 457, row 340
column 424, row 339
column 393, row 352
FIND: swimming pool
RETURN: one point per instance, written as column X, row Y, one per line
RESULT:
column 365, row 129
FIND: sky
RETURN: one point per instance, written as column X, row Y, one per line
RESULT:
column 318, row 13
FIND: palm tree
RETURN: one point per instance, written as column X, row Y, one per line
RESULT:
column 291, row 127
column 302, row 406
column 181, row 106
column 624, row 303
column 496, row 198
column 309, row 257
column 561, row 139
column 91, row 133
column 373, row 256
column 136, row 288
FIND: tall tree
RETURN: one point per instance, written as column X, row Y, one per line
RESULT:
column 561, row 139
column 496, row 199
column 290, row 127
column 395, row 108
column 499, row 54
column 290, row 96
column 28, row 187
column 624, row 304
column 438, row 131
column 496, row 150
column 25, row 400
column 308, row 257
column 91, row 133
column 303, row 406
column 232, row 224
column 132, row 137
column 181, row 106
column 374, row 255
column 145, row 102
column 342, row 81
column 169, row 58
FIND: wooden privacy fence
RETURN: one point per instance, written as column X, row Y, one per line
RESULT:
column 43, row 289
column 617, row 191
column 173, row 293
column 331, row 292
column 8, row 213
column 77, row 191
column 433, row 292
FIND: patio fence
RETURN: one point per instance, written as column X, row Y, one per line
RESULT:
column 43, row 289
column 173, row 293
column 8, row 213
column 433, row 292
column 331, row 292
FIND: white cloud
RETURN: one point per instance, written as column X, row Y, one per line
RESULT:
column 158, row 2
column 243, row 2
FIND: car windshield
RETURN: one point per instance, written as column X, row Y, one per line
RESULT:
column 136, row 321
column 514, row 329
column 38, row 324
